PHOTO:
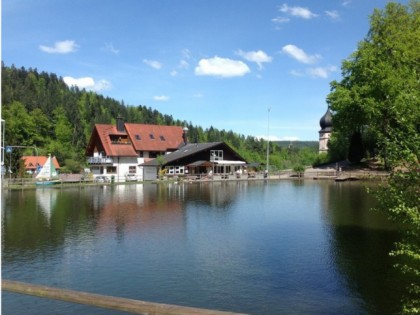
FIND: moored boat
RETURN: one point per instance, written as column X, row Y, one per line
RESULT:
column 48, row 174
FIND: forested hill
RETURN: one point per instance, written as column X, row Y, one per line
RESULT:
column 41, row 111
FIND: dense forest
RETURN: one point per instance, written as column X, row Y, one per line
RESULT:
column 42, row 113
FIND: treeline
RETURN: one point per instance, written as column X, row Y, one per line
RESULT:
column 42, row 113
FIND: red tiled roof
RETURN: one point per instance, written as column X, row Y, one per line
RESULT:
column 32, row 162
column 104, row 133
column 140, row 137
column 155, row 137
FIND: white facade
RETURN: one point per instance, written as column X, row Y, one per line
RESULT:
column 116, row 167
column 324, row 137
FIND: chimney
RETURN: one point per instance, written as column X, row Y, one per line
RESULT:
column 185, row 135
column 120, row 124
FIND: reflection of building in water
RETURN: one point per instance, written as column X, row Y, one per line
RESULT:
column 137, row 208
column 46, row 199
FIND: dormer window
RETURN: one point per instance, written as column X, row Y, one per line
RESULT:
column 137, row 137
column 162, row 138
column 119, row 139
column 152, row 136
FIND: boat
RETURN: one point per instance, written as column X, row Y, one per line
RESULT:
column 48, row 174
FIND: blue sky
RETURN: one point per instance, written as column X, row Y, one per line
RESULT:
column 258, row 68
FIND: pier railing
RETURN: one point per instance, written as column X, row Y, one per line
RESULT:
column 104, row 301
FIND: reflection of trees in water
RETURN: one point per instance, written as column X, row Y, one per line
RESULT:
column 360, row 241
column 37, row 221
column 217, row 194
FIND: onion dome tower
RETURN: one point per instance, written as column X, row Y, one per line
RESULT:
column 325, row 133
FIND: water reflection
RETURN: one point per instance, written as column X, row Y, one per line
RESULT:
column 294, row 247
column 360, row 241
column 46, row 199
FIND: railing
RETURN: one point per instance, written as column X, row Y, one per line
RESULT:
column 104, row 301
column 289, row 174
column 99, row 160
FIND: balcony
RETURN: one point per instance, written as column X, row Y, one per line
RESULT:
column 99, row 160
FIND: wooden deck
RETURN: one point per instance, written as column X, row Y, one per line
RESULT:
column 104, row 301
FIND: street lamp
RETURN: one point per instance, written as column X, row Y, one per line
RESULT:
column 268, row 139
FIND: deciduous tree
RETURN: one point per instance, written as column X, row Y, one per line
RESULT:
column 379, row 97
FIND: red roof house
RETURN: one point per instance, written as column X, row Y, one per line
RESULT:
column 33, row 163
column 117, row 150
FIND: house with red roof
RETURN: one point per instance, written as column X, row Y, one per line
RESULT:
column 116, row 151
column 33, row 164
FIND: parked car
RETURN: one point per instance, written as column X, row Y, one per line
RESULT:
column 102, row 179
column 131, row 178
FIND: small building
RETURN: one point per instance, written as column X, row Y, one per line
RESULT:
column 117, row 151
column 197, row 160
column 33, row 164
column 325, row 132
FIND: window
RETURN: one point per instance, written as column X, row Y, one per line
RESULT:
column 175, row 170
column 170, row 170
column 216, row 155
column 137, row 137
column 152, row 136
column 111, row 169
column 119, row 139
column 162, row 138
column 132, row 169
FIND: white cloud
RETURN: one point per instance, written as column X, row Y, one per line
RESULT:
column 63, row 47
column 258, row 57
column 153, row 63
column 183, row 64
column 221, row 67
column 280, row 20
column 317, row 72
column 102, row 85
column 297, row 73
column 87, row 83
column 298, row 54
column 300, row 12
column 346, row 3
column 276, row 138
column 289, row 138
column 321, row 72
column 334, row 15
column 186, row 53
column 161, row 98
column 110, row 48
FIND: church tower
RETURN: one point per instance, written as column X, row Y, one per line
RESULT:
column 325, row 132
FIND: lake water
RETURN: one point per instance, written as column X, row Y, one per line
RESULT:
column 278, row 247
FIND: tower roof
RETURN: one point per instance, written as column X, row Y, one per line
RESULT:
column 326, row 121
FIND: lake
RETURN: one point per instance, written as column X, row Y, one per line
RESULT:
column 276, row 247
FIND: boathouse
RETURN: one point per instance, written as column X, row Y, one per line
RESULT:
column 196, row 160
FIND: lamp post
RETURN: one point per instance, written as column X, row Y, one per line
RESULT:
column 9, row 149
column 268, row 140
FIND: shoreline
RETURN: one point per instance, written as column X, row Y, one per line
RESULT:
column 327, row 173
